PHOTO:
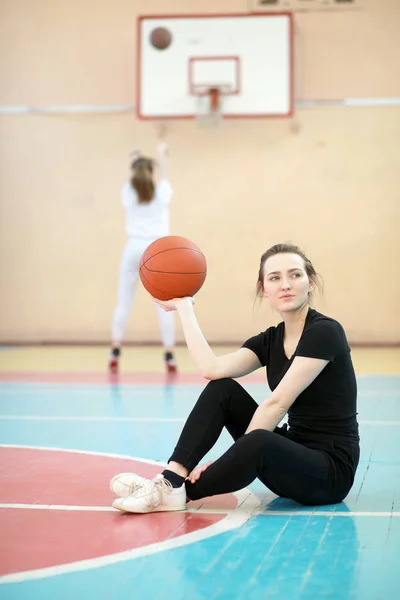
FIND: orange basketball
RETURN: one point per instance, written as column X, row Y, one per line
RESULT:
column 161, row 38
column 172, row 267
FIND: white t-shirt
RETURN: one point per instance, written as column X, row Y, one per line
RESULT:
column 147, row 220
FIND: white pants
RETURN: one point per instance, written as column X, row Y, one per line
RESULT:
column 129, row 277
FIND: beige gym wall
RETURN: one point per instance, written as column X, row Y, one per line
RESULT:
column 329, row 180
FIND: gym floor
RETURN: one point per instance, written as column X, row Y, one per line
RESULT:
column 67, row 427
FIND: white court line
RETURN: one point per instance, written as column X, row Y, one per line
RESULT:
column 247, row 503
column 145, row 390
column 16, row 388
column 159, row 463
column 233, row 520
column 135, row 419
column 62, row 418
column 62, row 507
column 214, row 511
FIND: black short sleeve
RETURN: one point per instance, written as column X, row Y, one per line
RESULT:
column 259, row 345
column 324, row 339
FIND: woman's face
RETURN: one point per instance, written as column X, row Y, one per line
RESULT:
column 285, row 282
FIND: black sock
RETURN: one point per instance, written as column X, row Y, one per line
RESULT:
column 175, row 480
column 168, row 356
column 115, row 352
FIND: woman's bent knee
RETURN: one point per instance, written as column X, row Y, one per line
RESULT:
column 225, row 383
column 261, row 436
column 222, row 388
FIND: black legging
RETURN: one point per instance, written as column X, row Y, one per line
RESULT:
column 286, row 467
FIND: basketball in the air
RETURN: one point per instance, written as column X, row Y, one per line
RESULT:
column 172, row 267
column 161, row 38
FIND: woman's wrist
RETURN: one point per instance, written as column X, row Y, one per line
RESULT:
column 185, row 304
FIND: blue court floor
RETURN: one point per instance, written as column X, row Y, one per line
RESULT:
column 252, row 546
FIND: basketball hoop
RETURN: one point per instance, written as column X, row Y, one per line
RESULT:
column 209, row 106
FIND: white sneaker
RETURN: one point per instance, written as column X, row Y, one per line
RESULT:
column 125, row 484
column 154, row 495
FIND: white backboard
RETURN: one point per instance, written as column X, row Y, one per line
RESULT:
column 250, row 54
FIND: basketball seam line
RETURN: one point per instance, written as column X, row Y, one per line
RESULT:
column 156, row 288
column 169, row 250
column 175, row 272
column 149, row 282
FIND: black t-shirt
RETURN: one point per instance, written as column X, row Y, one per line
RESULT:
column 325, row 413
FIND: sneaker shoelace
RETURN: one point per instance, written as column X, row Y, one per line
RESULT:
column 152, row 490
column 134, row 486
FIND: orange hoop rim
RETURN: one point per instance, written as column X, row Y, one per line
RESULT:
column 223, row 89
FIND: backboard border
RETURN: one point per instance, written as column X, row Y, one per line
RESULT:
column 141, row 18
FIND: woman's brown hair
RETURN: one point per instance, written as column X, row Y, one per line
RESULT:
column 142, row 179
